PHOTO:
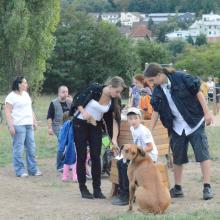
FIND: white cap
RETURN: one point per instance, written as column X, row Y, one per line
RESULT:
column 134, row 110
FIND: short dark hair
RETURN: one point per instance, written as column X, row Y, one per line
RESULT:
column 16, row 82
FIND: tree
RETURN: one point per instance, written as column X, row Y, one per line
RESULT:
column 87, row 52
column 176, row 47
column 201, row 40
column 190, row 40
column 201, row 61
column 152, row 52
column 26, row 39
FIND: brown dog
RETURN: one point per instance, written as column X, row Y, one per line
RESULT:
column 145, row 182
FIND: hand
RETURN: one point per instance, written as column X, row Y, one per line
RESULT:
column 50, row 131
column 35, row 125
column 114, row 142
column 208, row 119
column 86, row 115
column 12, row 130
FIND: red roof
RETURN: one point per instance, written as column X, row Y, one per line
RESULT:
column 140, row 31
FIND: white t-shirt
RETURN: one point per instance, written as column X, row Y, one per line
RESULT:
column 141, row 137
column 211, row 86
column 22, row 113
column 96, row 110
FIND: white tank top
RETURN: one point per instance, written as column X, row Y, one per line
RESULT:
column 95, row 109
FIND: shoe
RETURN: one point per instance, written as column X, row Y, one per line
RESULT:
column 86, row 194
column 38, row 173
column 207, row 193
column 60, row 170
column 120, row 200
column 23, row 175
column 98, row 195
column 175, row 193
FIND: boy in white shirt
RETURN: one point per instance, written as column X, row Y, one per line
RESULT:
column 141, row 137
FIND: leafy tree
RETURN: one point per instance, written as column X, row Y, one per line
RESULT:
column 201, row 40
column 149, row 51
column 190, row 40
column 87, row 52
column 201, row 61
column 26, row 39
column 176, row 47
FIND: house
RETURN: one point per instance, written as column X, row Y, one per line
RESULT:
column 111, row 17
column 209, row 25
column 164, row 17
column 125, row 30
column 186, row 17
column 128, row 18
column 140, row 32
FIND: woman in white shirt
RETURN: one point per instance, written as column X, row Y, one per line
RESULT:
column 21, row 120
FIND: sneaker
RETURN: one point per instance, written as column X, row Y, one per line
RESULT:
column 175, row 193
column 120, row 200
column 38, row 173
column 207, row 193
column 60, row 170
column 23, row 175
column 98, row 195
column 86, row 194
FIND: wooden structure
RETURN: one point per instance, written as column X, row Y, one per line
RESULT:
column 161, row 140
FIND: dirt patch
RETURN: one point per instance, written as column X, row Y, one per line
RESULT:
column 48, row 198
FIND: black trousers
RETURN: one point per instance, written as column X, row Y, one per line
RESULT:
column 123, row 178
column 86, row 134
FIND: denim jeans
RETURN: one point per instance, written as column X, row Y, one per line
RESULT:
column 59, row 163
column 24, row 137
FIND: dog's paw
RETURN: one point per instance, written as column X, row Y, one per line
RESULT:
column 130, row 209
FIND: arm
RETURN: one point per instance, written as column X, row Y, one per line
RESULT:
column 154, row 119
column 34, row 120
column 115, row 132
column 207, row 115
column 148, row 148
column 8, row 110
column 50, row 117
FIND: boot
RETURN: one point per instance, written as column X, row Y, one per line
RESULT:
column 65, row 172
column 74, row 173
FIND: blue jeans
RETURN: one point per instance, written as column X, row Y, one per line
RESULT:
column 24, row 137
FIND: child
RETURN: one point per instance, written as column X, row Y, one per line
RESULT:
column 67, row 148
column 141, row 137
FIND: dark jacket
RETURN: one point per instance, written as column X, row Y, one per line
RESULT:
column 184, row 89
column 94, row 91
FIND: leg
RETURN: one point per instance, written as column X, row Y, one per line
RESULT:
column 199, row 142
column 95, row 143
column 205, row 168
column 30, row 150
column 65, row 172
column 74, row 173
column 178, row 171
column 18, row 147
column 131, row 195
column 179, row 147
column 123, row 184
column 80, row 138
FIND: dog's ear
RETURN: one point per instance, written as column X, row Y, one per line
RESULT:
column 141, row 151
column 121, row 148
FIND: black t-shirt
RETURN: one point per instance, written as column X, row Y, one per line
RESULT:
column 51, row 110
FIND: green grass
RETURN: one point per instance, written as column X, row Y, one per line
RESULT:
column 199, row 215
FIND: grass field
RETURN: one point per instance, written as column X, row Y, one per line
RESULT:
column 201, row 215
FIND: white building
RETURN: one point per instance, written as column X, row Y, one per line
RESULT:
column 208, row 25
column 128, row 18
column 111, row 17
